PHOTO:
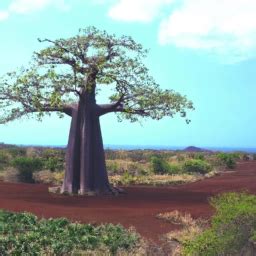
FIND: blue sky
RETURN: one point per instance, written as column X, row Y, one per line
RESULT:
column 205, row 49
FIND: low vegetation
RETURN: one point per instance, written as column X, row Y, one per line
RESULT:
column 232, row 229
column 25, row 234
column 125, row 167
column 26, row 166
column 197, row 166
column 229, row 160
column 153, row 180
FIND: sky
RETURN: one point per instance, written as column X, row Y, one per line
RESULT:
column 205, row 49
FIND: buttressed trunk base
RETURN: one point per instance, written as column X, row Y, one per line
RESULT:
column 85, row 158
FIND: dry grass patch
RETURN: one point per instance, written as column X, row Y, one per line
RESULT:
column 2, row 175
column 190, row 228
column 48, row 177
column 154, row 180
column 177, row 218
column 10, row 175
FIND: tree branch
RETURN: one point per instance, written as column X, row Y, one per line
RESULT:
column 113, row 107
column 67, row 109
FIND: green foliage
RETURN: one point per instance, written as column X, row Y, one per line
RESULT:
column 17, row 151
column 24, row 234
column 53, row 164
column 199, row 156
column 127, row 178
column 254, row 156
column 159, row 165
column 112, row 167
column 4, row 159
column 228, row 159
column 27, row 166
column 53, row 159
column 101, row 58
column 233, row 225
column 175, row 168
column 196, row 166
column 137, row 155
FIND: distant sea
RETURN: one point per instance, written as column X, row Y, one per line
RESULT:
column 134, row 147
column 155, row 147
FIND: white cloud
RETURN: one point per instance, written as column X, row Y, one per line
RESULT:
column 226, row 28
column 26, row 6
column 3, row 15
column 30, row 6
column 137, row 10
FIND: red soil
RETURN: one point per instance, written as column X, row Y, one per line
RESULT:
column 136, row 208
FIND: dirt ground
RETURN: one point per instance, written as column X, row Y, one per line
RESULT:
column 137, row 208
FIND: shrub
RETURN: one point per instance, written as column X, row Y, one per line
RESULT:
column 17, row 152
column 121, row 166
column 112, row 166
column 228, row 159
column 174, row 168
column 137, row 169
column 254, row 156
column 231, row 228
column 26, row 167
column 199, row 156
column 53, row 164
column 24, row 234
column 127, row 178
column 4, row 159
column 159, row 165
column 136, row 156
column 53, row 159
column 196, row 166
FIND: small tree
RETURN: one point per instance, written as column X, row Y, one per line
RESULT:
column 66, row 77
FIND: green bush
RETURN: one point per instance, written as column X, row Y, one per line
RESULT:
column 24, row 234
column 196, row 166
column 112, row 167
column 228, row 159
column 232, row 227
column 199, row 156
column 174, row 168
column 53, row 159
column 254, row 156
column 26, row 167
column 17, row 152
column 159, row 165
column 127, row 178
column 53, row 164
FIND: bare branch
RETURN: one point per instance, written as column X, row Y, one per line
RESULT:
column 113, row 107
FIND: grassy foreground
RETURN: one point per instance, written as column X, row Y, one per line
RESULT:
column 25, row 234
column 231, row 231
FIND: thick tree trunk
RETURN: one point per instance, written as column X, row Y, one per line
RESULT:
column 85, row 158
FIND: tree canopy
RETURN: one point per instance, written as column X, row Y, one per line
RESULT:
column 59, row 73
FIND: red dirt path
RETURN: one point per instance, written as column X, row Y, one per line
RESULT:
column 136, row 208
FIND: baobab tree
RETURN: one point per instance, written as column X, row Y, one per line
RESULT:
column 67, row 76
